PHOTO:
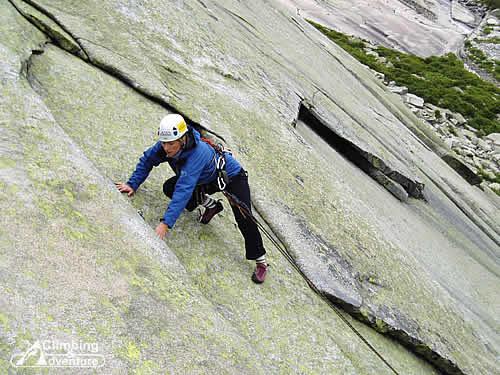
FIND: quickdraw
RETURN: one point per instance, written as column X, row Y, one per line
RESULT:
column 222, row 178
column 220, row 163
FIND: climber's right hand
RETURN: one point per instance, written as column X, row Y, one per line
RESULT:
column 124, row 188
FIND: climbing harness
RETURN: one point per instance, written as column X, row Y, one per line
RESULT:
column 222, row 181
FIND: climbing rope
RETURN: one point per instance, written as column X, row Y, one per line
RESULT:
column 245, row 211
column 233, row 200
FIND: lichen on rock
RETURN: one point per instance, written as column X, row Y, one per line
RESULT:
column 184, row 305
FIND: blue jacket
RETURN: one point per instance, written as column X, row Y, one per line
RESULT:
column 195, row 165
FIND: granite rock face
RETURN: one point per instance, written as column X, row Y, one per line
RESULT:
column 421, row 27
column 81, row 100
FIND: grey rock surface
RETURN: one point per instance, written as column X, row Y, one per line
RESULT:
column 97, row 274
column 495, row 138
column 462, row 14
column 399, row 266
column 400, row 90
column 492, row 21
column 422, row 27
column 414, row 100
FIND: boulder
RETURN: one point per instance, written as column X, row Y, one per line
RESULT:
column 495, row 186
column 414, row 100
column 492, row 21
column 459, row 118
column 463, row 169
column 483, row 145
column 443, row 130
column 470, row 128
column 495, row 138
column 400, row 90
column 372, row 53
column 466, row 151
column 491, row 165
column 380, row 76
column 468, row 134
column 452, row 142
column 432, row 107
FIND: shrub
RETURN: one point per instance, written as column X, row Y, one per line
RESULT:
column 492, row 4
column 487, row 30
column 496, row 73
column 486, row 176
column 494, row 40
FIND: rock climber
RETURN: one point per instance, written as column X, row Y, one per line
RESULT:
column 199, row 169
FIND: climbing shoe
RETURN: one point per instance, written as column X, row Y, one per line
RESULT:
column 259, row 275
column 209, row 213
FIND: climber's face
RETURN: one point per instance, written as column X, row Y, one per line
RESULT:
column 172, row 148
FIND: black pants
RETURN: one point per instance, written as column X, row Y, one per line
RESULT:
column 238, row 186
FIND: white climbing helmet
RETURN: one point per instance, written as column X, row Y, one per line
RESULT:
column 172, row 127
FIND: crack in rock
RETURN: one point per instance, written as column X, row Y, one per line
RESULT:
column 345, row 288
column 47, row 23
column 395, row 182
column 462, row 169
column 376, row 166
column 420, row 9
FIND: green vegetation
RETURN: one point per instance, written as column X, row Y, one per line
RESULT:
column 492, row 4
column 497, row 191
column 487, row 30
column 482, row 61
column 440, row 80
column 479, row 58
column 452, row 130
column 495, row 40
column 489, row 177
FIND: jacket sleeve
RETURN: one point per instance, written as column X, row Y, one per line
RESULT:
column 184, row 188
column 152, row 157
